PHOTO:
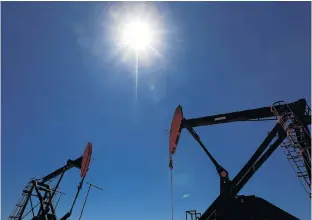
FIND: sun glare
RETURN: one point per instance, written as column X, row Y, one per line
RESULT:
column 137, row 35
column 138, row 30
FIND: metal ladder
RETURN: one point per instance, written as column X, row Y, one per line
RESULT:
column 295, row 143
column 17, row 211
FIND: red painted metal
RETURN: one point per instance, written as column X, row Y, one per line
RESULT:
column 86, row 159
column 176, row 126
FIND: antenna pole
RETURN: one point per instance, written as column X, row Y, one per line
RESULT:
column 90, row 185
column 59, row 199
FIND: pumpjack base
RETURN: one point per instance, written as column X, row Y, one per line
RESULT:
column 249, row 208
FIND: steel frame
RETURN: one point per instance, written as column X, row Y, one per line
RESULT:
column 40, row 189
column 193, row 213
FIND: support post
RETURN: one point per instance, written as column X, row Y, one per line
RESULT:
column 90, row 185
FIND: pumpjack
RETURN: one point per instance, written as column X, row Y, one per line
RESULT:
column 41, row 190
column 291, row 132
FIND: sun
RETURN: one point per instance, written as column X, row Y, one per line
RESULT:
column 137, row 36
column 138, row 31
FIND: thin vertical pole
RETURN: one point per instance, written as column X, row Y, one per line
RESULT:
column 87, row 197
column 58, row 200
column 85, row 202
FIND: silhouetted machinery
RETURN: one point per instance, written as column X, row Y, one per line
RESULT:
column 291, row 132
column 41, row 190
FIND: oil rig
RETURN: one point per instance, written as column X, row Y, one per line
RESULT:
column 290, row 132
column 42, row 190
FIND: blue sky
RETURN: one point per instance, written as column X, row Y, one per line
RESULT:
column 63, row 85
